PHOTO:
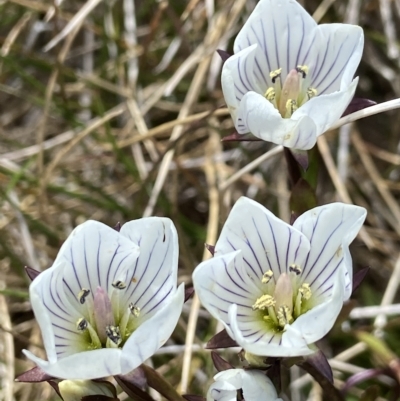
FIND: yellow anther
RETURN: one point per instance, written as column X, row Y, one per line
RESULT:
column 264, row 302
column 275, row 74
column 270, row 94
column 311, row 92
column 120, row 285
column 303, row 70
column 296, row 269
column 291, row 106
column 83, row 293
column 305, row 291
column 284, row 316
column 135, row 310
column 266, row 278
column 81, row 324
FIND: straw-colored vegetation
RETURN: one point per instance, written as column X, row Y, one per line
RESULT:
column 112, row 110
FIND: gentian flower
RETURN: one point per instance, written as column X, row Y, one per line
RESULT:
column 290, row 79
column 110, row 299
column 254, row 385
column 279, row 288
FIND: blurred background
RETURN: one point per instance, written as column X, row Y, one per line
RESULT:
column 113, row 110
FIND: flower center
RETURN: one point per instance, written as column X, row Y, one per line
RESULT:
column 284, row 302
column 104, row 326
column 294, row 91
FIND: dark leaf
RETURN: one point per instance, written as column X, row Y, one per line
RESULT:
column 188, row 293
column 358, row 277
column 274, row 373
column 55, row 386
column 223, row 54
column 358, row 104
column 210, row 248
column 235, row 137
column 361, row 377
column 221, row 340
column 220, row 363
column 301, row 157
column 190, row 397
column 293, row 166
column 156, row 381
column 371, row 394
column 35, row 375
column 98, row 397
column 302, row 198
column 117, row 227
column 31, row 272
column 318, row 367
column 133, row 384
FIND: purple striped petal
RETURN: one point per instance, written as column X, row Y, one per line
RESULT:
column 266, row 242
column 330, row 230
column 152, row 279
column 283, row 30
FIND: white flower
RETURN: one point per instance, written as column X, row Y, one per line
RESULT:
column 74, row 390
column 253, row 383
column 278, row 288
column 290, row 79
column 110, row 299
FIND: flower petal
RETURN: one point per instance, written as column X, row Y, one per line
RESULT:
column 84, row 365
column 98, row 256
column 222, row 281
column 152, row 279
column 266, row 242
column 239, row 76
column 282, row 29
column 257, row 386
column 336, row 53
column 325, row 110
column 266, row 343
column 153, row 333
column 316, row 323
column 330, row 230
column 260, row 117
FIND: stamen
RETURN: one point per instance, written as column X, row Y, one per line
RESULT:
column 311, row 92
column 120, row 285
column 266, row 278
column 83, row 293
column 296, row 269
column 81, row 324
column 303, row 70
column 305, row 291
column 275, row 74
column 114, row 334
column 270, row 94
column 135, row 310
column 284, row 316
column 264, row 302
column 291, row 107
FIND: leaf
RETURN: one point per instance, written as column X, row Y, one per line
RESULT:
column 117, row 227
column 210, row 248
column 359, row 276
column 370, row 394
column 34, row 375
column 156, row 381
column 220, row 363
column 358, row 104
column 293, row 166
column 31, row 272
column 221, row 340
column 318, row 367
column 188, row 293
column 223, row 54
column 361, row 377
column 133, row 384
column 55, row 387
